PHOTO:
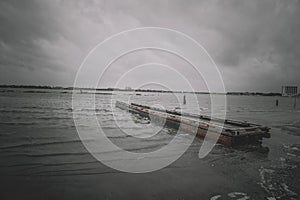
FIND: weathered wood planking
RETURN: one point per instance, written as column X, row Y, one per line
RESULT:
column 232, row 132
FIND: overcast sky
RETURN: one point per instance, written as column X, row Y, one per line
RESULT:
column 255, row 43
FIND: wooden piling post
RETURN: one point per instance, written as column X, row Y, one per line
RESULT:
column 184, row 100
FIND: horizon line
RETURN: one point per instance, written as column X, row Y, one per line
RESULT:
column 125, row 89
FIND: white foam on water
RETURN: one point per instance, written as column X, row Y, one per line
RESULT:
column 288, row 191
column 265, row 184
column 216, row 197
column 240, row 195
column 274, row 188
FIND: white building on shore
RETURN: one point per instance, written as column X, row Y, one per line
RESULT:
column 288, row 91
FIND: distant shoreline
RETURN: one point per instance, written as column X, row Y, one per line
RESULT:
column 136, row 90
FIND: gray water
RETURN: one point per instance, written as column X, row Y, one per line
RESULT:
column 40, row 148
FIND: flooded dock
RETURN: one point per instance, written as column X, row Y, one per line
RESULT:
column 233, row 133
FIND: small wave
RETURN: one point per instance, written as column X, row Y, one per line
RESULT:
column 155, row 146
column 30, row 108
column 104, row 93
column 39, row 164
column 66, row 170
column 79, row 174
column 292, row 130
column 118, row 137
column 55, row 118
column 39, row 144
column 3, row 91
column 21, row 111
column 33, row 91
column 18, row 123
column 51, row 154
column 95, row 110
column 35, row 110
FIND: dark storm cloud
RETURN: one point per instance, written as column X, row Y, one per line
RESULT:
column 267, row 30
column 23, row 25
column 27, row 20
column 254, row 42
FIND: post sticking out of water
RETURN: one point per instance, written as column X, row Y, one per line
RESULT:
column 184, row 100
column 277, row 102
column 295, row 101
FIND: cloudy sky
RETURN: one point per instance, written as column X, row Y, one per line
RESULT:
column 255, row 43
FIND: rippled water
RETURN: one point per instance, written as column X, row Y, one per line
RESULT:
column 38, row 138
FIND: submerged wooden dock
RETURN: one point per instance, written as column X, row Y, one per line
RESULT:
column 233, row 132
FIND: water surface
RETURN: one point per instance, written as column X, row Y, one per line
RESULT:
column 42, row 154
